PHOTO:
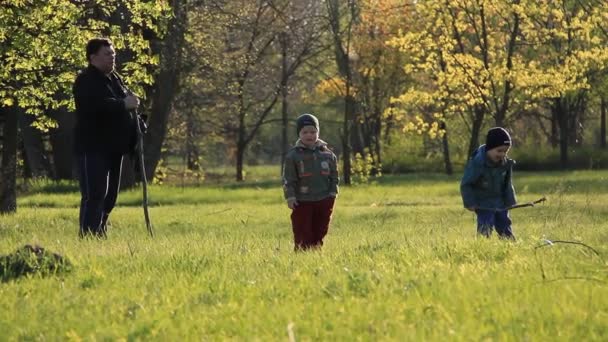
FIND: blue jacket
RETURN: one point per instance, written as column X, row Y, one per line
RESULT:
column 486, row 184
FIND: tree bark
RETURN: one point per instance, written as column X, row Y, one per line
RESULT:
column 62, row 140
column 554, row 129
column 8, row 185
column 563, row 138
column 284, row 103
column 603, row 123
column 446, row 150
column 129, row 172
column 576, row 107
column 559, row 109
column 33, row 146
column 165, row 86
column 346, row 148
column 341, row 44
column 357, row 141
column 240, row 156
column 192, row 150
column 377, row 142
column 478, row 115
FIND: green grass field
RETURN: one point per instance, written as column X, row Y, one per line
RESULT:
column 401, row 262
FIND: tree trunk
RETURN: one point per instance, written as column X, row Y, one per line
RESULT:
column 357, row 142
column 33, row 146
column 603, row 123
column 388, row 127
column 575, row 108
column 346, row 148
column 62, row 140
column 26, row 172
column 284, row 131
column 8, row 185
column 241, row 142
column 192, row 155
column 192, row 150
column 563, row 141
column 165, row 86
column 341, row 42
column 446, row 150
column 284, row 103
column 554, row 129
column 560, row 112
column 478, row 115
column 377, row 141
column 240, row 156
column 130, row 172
column 499, row 120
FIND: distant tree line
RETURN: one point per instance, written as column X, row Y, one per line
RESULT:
column 223, row 79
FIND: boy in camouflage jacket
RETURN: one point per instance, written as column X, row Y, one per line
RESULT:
column 310, row 184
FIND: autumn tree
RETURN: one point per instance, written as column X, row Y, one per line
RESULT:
column 369, row 72
column 168, row 46
column 569, row 50
column 464, row 55
column 342, row 17
column 41, row 49
column 301, row 38
column 478, row 58
column 241, row 56
column 379, row 72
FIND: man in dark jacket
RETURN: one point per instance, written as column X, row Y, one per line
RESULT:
column 105, row 130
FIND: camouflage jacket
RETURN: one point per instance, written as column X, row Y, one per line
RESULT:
column 310, row 173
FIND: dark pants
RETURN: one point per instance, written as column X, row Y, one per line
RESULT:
column 99, row 183
column 310, row 222
column 487, row 219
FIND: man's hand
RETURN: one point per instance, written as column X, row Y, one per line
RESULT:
column 473, row 208
column 131, row 102
column 292, row 203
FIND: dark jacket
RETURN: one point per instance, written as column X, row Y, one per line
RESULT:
column 486, row 184
column 103, row 124
column 310, row 174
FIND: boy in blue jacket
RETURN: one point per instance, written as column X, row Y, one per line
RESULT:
column 486, row 185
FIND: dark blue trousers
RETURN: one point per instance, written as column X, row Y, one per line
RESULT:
column 99, row 176
column 489, row 219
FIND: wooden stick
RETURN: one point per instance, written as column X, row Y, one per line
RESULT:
column 142, row 166
column 523, row 205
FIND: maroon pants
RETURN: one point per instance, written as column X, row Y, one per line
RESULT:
column 310, row 222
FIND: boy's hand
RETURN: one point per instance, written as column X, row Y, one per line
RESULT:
column 292, row 203
column 473, row 208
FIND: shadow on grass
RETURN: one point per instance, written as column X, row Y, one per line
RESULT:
column 548, row 183
column 415, row 179
column 262, row 184
column 48, row 186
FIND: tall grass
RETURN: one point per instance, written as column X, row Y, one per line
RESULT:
column 401, row 262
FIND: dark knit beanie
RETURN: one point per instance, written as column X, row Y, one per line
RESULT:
column 306, row 120
column 497, row 136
